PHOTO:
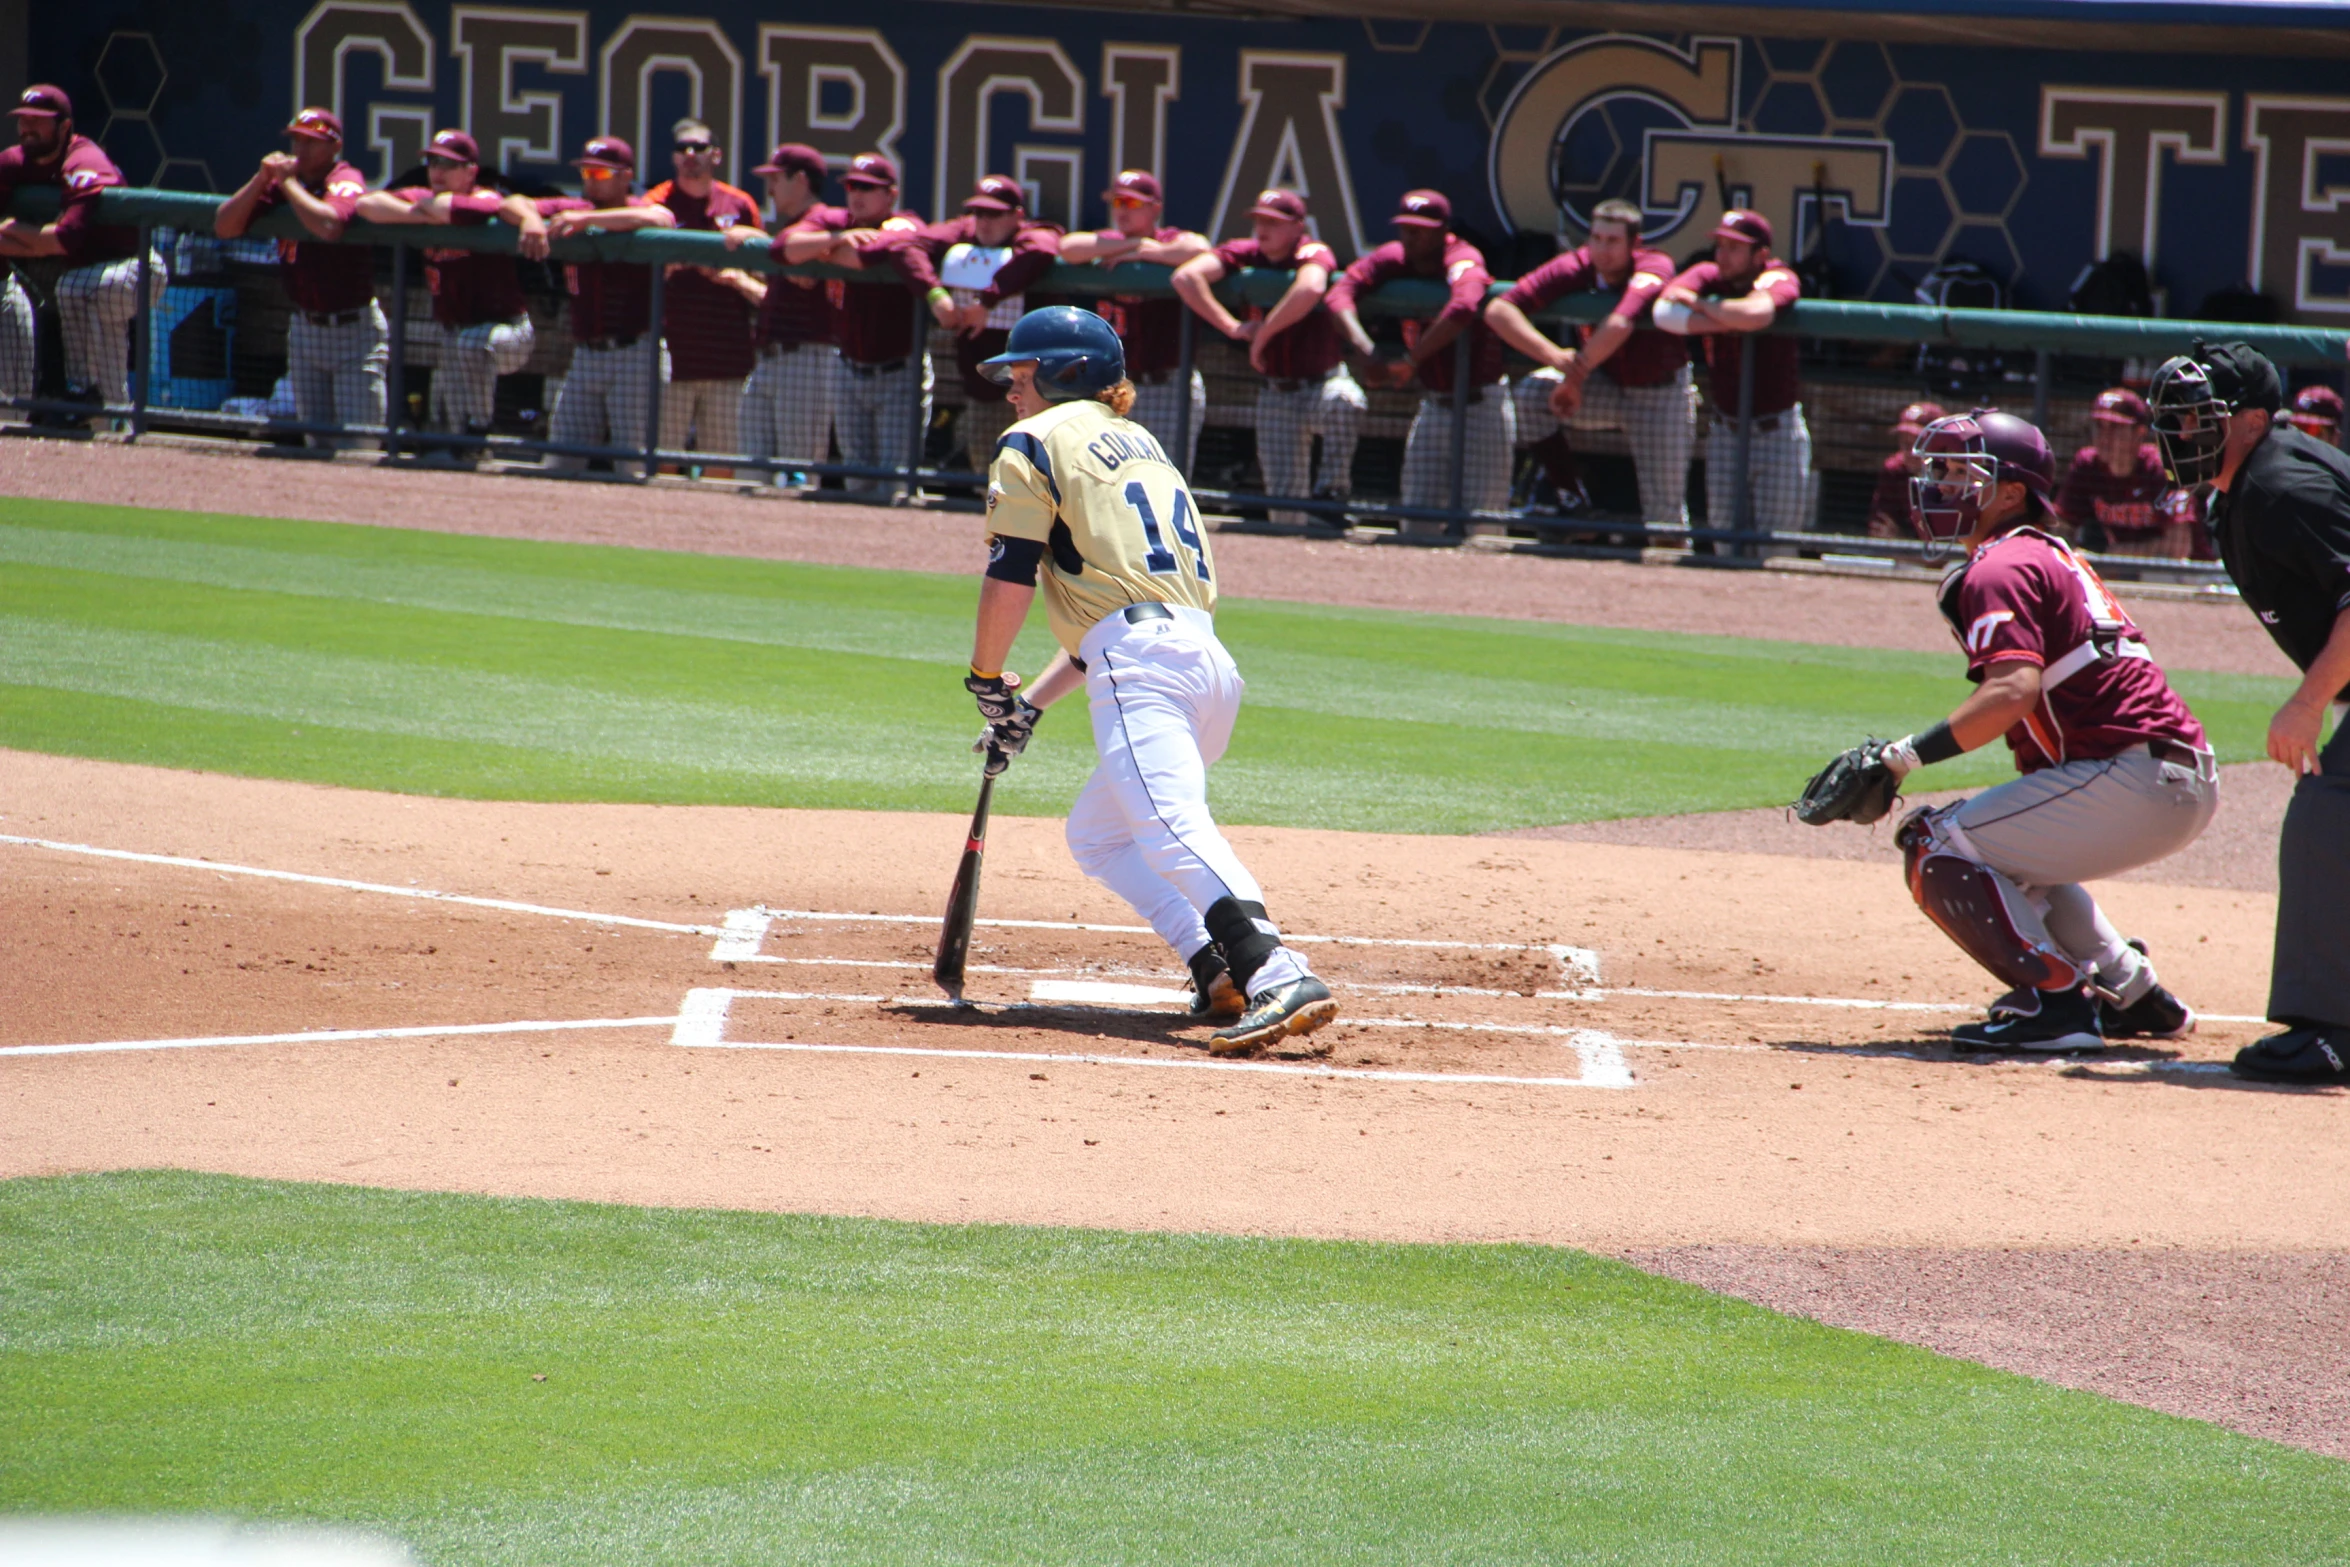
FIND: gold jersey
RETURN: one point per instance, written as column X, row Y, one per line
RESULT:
column 1117, row 521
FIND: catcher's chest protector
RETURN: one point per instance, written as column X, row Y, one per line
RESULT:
column 1981, row 911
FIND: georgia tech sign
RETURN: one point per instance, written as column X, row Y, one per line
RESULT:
column 1656, row 124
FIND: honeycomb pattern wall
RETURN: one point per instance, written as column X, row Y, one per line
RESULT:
column 131, row 77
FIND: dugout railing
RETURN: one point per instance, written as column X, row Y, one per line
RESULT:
column 2023, row 350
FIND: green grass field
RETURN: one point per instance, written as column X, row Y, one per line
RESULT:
column 490, row 668
column 737, row 1388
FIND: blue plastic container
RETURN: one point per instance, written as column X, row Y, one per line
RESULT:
column 194, row 345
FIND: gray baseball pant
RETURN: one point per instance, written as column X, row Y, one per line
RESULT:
column 874, row 414
column 2309, row 976
column 1287, row 422
column 337, row 372
column 984, row 424
column 787, row 403
column 603, row 402
column 1778, row 472
column 18, row 358
column 95, row 305
column 709, row 411
column 465, row 383
column 2050, row 831
column 1659, row 423
column 1157, row 406
column 1491, row 426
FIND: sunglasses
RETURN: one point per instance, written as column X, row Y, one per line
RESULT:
column 1123, row 202
column 692, row 146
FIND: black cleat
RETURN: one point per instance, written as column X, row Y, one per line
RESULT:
column 2065, row 1020
column 1212, row 992
column 2155, row 1015
column 1299, row 1007
column 2315, row 1056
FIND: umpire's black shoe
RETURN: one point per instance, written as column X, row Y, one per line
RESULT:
column 2298, row 1055
column 2064, row 1020
column 1299, row 1007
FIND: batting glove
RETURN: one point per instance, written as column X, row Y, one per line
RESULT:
column 993, row 693
column 1000, row 742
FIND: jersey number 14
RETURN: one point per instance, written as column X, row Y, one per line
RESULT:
column 1160, row 561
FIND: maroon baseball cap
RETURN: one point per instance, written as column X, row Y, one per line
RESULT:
column 43, row 99
column 2120, row 406
column 1916, row 417
column 2316, row 405
column 1742, row 223
column 317, row 124
column 794, row 157
column 452, row 147
column 996, row 193
column 1428, row 209
column 606, row 152
column 1285, row 204
column 870, row 168
column 1135, row 185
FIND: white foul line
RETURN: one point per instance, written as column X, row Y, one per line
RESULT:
column 506, row 904
column 328, row 1036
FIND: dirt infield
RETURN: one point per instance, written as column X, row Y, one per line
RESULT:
column 1704, row 1044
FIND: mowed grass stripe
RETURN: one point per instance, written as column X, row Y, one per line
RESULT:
column 641, row 675
column 738, row 1388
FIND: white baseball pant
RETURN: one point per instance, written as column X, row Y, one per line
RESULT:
column 1491, row 424
column 709, row 412
column 1164, row 695
column 874, row 412
column 19, row 359
column 1659, row 423
column 465, row 384
column 1287, row 422
column 787, row 403
column 1778, row 473
column 603, row 402
column 337, row 371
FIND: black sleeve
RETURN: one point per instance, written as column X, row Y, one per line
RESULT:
column 1014, row 560
column 2315, row 507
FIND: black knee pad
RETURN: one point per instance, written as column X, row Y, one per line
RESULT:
column 1246, row 935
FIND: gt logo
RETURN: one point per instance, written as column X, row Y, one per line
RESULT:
column 1978, row 635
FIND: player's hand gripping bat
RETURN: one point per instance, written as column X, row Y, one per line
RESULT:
column 954, row 937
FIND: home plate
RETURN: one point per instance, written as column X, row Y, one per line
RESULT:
column 1102, row 993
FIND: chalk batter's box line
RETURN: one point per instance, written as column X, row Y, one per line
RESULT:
column 702, row 1022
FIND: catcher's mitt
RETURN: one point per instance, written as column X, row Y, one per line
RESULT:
column 1855, row 786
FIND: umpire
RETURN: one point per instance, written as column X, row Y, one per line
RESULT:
column 2280, row 511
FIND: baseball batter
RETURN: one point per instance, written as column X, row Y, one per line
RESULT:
column 1150, row 326
column 2116, row 771
column 603, row 401
column 337, row 343
column 1130, row 594
column 1426, row 247
column 1624, row 374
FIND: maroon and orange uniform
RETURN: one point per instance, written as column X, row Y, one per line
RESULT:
column 1648, row 357
column 706, row 324
column 1313, row 347
column 469, row 287
column 1466, row 281
column 1778, row 361
column 82, row 172
column 1150, row 326
column 323, row 279
column 611, row 301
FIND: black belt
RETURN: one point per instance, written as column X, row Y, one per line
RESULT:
column 1155, row 378
column 793, row 348
column 334, row 317
column 1136, row 614
column 607, row 344
column 1476, row 393
column 1301, row 385
column 869, row 370
column 2171, row 751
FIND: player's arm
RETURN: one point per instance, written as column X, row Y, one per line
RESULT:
column 1172, row 252
column 806, row 242
column 2293, row 734
column 383, row 206
column 1340, row 297
column 1106, row 246
column 1195, row 283
column 1514, row 327
column 1466, row 282
column 320, row 217
column 236, row 214
column 1305, row 291
column 2010, row 689
column 522, row 213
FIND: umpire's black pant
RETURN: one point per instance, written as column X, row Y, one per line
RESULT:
column 2309, row 981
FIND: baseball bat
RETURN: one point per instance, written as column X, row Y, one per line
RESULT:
column 954, row 937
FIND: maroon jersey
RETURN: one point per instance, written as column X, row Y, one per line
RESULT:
column 611, row 301
column 1777, row 360
column 80, row 173
column 707, row 324
column 1463, row 270
column 1648, row 357
column 321, row 278
column 1891, row 496
column 872, row 322
column 2026, row 596
column 961, row 262
column 796, row 310
column 1151, row 328
column 469, row 287
column 2126, row 506
column 1312, row 348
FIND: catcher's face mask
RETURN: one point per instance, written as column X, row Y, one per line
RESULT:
column 2190, row 420
column 1956, row 479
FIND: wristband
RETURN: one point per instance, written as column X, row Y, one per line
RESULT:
column 985, row 674
column 1937, row 744
column 938, row 293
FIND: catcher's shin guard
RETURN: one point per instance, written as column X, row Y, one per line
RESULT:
column 1980, row 910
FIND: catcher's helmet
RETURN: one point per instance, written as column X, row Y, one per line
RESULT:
column 1965, row 458
column 1075, row 352
column 2192, row 396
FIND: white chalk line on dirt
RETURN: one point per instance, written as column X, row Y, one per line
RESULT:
column 701, row 1025
column 331, row 1036
column 506, row 905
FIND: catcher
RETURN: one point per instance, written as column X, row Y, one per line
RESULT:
column 2116, row 771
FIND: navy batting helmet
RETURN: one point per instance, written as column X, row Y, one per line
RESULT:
column 1966, row 457
column 1075, row 352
